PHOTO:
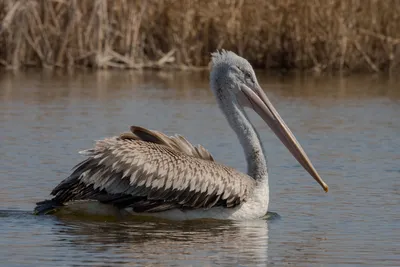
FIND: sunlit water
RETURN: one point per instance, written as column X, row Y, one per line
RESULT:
column 350, row 128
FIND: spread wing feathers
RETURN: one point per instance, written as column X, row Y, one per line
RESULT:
column 149, row 171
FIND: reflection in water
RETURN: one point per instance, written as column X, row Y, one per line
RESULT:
column 101, row 85
column 47, row 86
column 325, row 87
column 77, row 242
column 208, row 243
column 349, row 126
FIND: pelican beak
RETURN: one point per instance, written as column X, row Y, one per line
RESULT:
column 261, row 104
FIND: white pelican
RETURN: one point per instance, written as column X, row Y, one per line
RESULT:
column 145, row 172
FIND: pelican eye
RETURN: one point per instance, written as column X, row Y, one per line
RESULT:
column 248, row 76
column 246, row 73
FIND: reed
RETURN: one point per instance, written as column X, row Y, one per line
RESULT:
column 322, row 35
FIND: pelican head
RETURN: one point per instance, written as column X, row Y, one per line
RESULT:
column 233, row 81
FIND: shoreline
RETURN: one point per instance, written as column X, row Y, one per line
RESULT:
column 336, row 36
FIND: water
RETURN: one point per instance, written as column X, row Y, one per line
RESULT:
column 350, row 128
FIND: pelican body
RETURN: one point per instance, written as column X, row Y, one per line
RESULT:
column 145, row 172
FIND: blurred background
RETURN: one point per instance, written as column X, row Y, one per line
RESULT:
column 318, row 35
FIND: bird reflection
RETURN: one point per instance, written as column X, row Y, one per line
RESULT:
column 202, row 243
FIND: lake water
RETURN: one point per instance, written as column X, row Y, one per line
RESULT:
column 349, row 126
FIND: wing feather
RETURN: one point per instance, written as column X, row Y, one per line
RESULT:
column 177, row 142
column 149, row 171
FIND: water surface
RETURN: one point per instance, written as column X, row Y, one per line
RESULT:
column 349, row 126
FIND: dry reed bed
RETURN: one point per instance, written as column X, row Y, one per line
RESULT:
column 323, row 35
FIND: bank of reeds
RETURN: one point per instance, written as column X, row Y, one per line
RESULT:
column 323, row 35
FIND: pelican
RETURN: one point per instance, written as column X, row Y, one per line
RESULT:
column 147, row 173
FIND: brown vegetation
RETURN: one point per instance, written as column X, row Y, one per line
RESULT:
column 323, row 35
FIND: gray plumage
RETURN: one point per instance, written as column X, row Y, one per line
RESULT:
column 148, row 171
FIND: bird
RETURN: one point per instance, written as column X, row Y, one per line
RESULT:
column 144, row 172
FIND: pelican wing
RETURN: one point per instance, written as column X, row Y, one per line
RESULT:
column 151, row 172
column 177, row 142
